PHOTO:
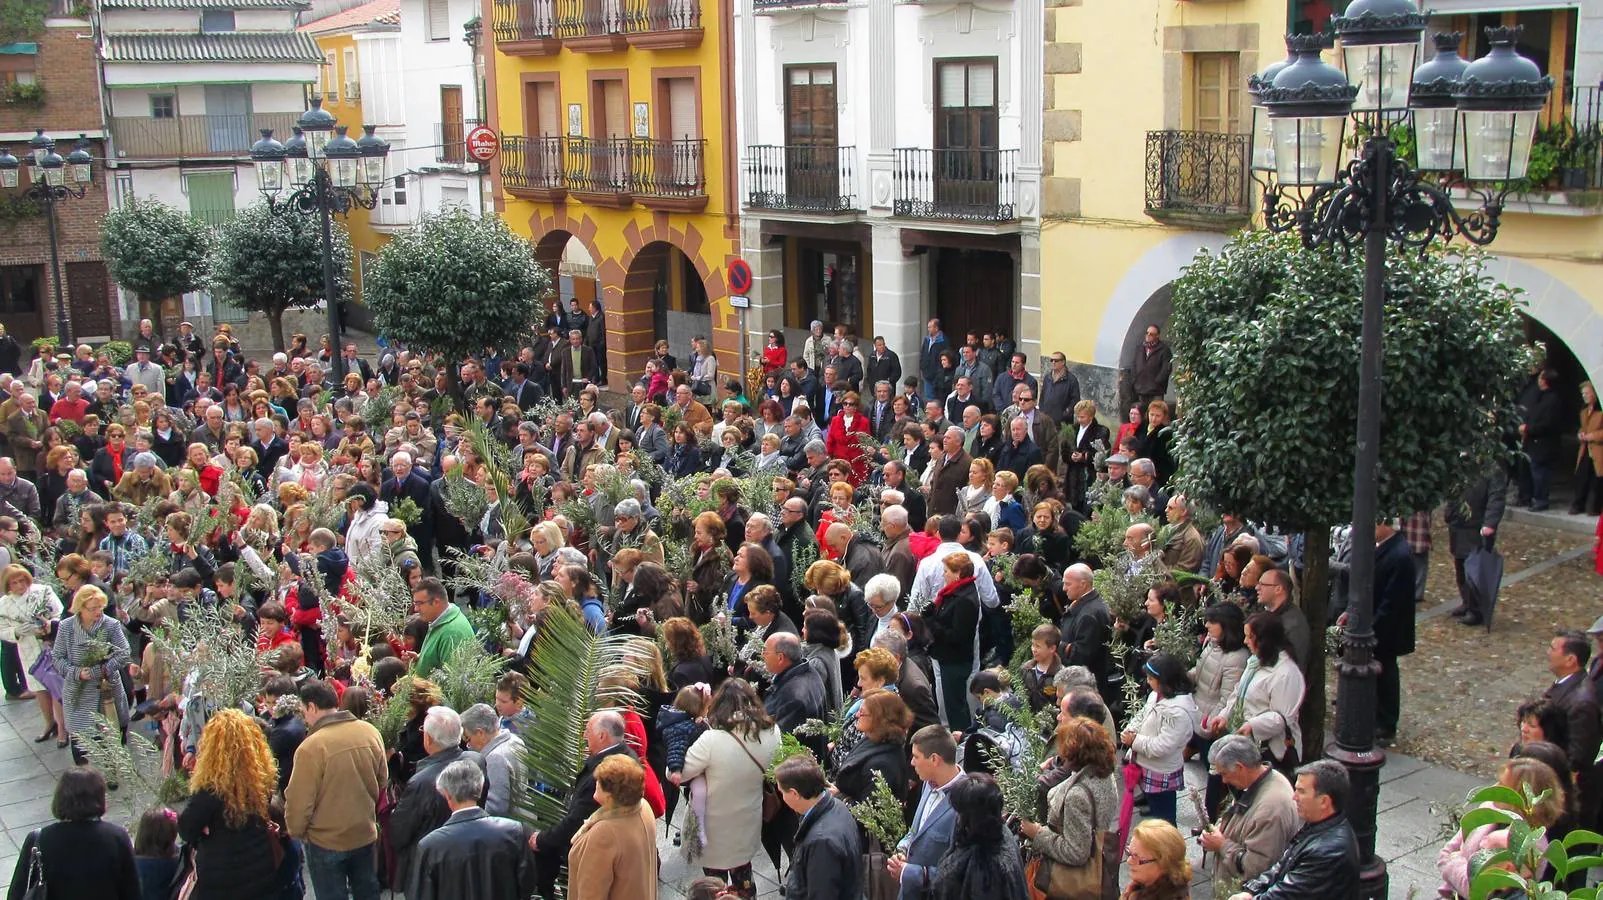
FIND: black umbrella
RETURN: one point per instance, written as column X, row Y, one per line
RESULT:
column 1484, row 572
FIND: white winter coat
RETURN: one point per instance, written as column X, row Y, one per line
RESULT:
column 1162, row 729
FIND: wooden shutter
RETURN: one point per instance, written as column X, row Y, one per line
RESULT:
column 615, row 109
column 682, row 122
column 1216, row 93
column 547, row 109
column 810, row 118
column 211, row 196
column 439, row 12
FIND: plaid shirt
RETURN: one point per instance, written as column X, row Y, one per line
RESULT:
column 1416, row 531
column 1156, row 782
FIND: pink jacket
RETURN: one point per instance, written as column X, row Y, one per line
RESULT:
column 1453, row 860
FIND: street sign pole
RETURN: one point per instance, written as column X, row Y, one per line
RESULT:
column 739, row 279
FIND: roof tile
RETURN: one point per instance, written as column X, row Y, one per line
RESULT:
column 375, row 12
column 234, row 46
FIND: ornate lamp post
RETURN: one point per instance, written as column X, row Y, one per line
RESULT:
column 324, row 171
column 1475, row 122
column 52, row 179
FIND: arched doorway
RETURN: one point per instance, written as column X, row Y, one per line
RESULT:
column 664, row 298
column 572, row 268
column 1156, row 310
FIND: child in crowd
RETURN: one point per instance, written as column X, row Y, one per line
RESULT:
column 156, row 851
column 1043, row 666
column 681, row 724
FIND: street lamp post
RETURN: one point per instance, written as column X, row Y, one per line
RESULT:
column 1474, row 123
column 52, row 179
column 325, row 172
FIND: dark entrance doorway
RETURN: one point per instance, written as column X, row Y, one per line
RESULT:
column 974, row 291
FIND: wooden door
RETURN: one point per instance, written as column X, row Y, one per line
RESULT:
column 87, row 298
column 22, row 301
column 451, row 124
column 812, row 163
column 542, row 117
column 974, row 290
column 967, row 162
column 613, row 133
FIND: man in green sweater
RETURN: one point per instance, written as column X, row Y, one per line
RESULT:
column 447, row 626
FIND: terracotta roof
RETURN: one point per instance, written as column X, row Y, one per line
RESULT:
column 375, row 12
column 233, row 46
column 205, row 4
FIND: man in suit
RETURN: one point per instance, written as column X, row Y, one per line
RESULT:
column 947, row 474
column 1394, row 624
column 880, row 417
column 354, row 363
column 934, row 821
column 897, row 558
column 1544, row 422
column 826, row 862
column 421, row 809
column 883, row 365
column 895, row 474
column 831, row 391
column 1086, row 628
column 143, row 371
column 604, row 736
column 796, row 693
column 847, row 366
column 523, row 391
column 631, row 411
column 977, row 372
column 929, row 356
column 1472, row 525
column 574, row 365
column 1567, row 656
column 406, row 483
column 473, row 854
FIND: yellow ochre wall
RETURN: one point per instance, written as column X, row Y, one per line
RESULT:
column 349, row 112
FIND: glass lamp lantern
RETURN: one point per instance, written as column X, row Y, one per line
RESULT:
column 1263, row 132
column 80, row 165
column 38, row 148
column 1499, row 101
column 55, row 169
column 317, row 124
column 1308, row 102
column 374, row 151
column 300, row 167
column 344, row 159
column 8, row 169
column 1380, row 49
column 268, row 155
column 1435, row 111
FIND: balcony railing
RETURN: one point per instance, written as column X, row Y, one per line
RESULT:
column 960, row 185
column 181, row 137
column 524, row 20
column 589, row 18
column 671, row 174
column 450, row 141
column 601, row 166
column 1572, row 137
column 599, row 26
column 642, row 16
column 781, row 4
column 532, row 165
column 801, row 177
column 1197, row 173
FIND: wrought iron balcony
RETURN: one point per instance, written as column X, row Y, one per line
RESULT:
column 526, row 27
column 534, row 167
column 671, row 175
column 958, row 185
column 187, row 137
column 801, row 178
column 450, row 141
column 601, row 170
column 761, row 5
column 1198, row 174
column 662, row 24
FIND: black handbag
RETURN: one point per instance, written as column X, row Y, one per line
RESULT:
column 36, row 889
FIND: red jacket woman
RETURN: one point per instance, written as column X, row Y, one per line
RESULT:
column 841, row 441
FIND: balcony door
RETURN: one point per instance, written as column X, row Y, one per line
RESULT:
column 228, row 118
column 679, row 160
column 542, row 116
column 812, row 162
column 451, row 124
column 967, row 164
column 611, row 151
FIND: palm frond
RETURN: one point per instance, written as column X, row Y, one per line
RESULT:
column 566, row 673
column 467, row 675
column 134, row 766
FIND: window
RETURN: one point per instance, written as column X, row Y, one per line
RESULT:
column 328, row 77
column 163, row 106
column 353, row 84
column 17, row 68
column 213, row 21
column 965, row 111
column 19, row 289
column 810, row 109
column 452, row 125
column 398, row 193
column 211, row 196
column 1547, row 38
column 439, row 20
column 1215, row 93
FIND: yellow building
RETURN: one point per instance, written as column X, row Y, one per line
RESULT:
column 341, row 89
column 618, row 161
column 1148, row 101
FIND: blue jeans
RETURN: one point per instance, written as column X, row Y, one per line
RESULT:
column 1160, row 805
column 342, row 874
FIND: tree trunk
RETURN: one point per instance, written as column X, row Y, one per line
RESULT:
column 275, row 318
column 1315, row 596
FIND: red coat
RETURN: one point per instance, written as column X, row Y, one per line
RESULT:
column 840, row 445
column 774, row 359
column 267, row 643
column 634, row 729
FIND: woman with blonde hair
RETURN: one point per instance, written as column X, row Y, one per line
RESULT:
column 226, row 819
column 26, row 611
column 972, row 496
column 1520, row 774
column 546, row 539
column 1159, row 870
column 90, row 650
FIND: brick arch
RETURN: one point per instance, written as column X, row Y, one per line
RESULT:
column 551, row 234
column 628, row 282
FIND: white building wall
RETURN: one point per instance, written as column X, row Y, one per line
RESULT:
column 378, row 63
column 427, row 65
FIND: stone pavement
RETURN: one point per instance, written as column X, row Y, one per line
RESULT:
column 1414, row 798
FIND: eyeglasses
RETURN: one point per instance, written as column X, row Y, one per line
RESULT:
column 1134, row 860
column 1026, row 399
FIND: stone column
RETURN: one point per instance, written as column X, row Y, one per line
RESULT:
column 898, row 311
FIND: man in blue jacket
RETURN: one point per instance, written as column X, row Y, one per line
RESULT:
column 826, row 863
column 920, row 852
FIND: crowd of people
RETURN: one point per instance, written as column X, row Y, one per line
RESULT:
column 835, row 589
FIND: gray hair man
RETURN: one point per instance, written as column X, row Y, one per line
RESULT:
column 1325, row 850
column 604, row 736
column 472, row 847
column 797, row 693
column 502, row 751
column 421, row 809
column 1255, row 829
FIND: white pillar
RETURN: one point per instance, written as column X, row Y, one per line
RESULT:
column 898, row 312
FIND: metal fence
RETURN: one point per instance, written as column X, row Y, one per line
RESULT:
column 956, row 184
column 801, row 177
column 1198, row 172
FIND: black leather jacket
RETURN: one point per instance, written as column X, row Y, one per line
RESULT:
column 473, row 855
column 1320, row 863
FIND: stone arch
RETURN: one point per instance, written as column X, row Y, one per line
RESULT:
column 550, row 235
column 1558, row 306
column 629, row 282
column 1143, row 282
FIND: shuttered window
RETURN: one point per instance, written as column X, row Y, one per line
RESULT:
column 1215, row 92
column 439, row 13
column 810, row 118
column 966, row 110
column 211, row 196
column 682, row 122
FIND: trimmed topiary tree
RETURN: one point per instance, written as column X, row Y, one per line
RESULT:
column 1266, row 345
column 155, row 250
column 271, row 260
column 456, row 283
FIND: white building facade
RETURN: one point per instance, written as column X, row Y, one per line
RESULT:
column 187, row 87
column 891, row 167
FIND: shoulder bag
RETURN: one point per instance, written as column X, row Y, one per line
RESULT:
column 1098, row 879
column 36, row 889
column 770, row 792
